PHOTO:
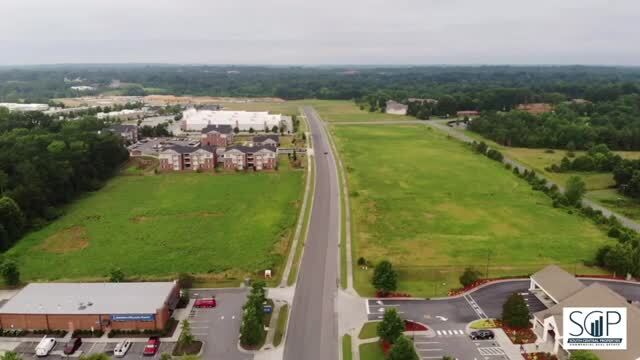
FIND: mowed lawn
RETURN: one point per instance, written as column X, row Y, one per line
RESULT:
column 432, row 207
column 222, row 225
column 600, row 185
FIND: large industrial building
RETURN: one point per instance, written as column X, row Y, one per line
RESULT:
column 196, row 120
column 86, row 306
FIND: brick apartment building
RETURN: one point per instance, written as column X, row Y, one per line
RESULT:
column 86, row 306
column 262, row 157
column 267, row 140
column 184, row 158
column 217, row 135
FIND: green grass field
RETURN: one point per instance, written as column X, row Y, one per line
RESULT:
column 599, row 185
column 223, row 226
column 371, row 351
column 432, row 207
column 346, row 347
column 369, row 330
column 347, row 110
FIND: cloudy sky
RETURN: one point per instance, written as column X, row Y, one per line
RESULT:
column 320, row 32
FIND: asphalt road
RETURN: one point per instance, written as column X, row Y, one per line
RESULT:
column 313, row 327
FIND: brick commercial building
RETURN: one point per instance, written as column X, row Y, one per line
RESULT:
column 98, row 306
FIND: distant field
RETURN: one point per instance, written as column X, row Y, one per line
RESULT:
column 347, row 110
column 433, row 207
column 223, row 226
column 599, row 185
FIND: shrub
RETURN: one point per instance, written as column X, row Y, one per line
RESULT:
column 385, row 278
column 469, row 276
column 515, row 312
column 391, row 326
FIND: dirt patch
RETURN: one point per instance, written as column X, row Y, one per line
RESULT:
column 68, row 240
column 139, row 219
column 460, row 212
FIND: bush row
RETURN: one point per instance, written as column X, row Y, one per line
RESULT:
column 622, row 258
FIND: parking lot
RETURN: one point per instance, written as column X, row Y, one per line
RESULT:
column 27, row 350
column 219, row 327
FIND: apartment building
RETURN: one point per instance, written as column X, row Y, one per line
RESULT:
column 262, row 157
column 217, row 135
column 187, row 158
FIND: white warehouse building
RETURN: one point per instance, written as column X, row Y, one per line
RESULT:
column 196, row 120
column 24, row 107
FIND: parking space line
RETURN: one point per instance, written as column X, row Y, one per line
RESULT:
column 421, row 350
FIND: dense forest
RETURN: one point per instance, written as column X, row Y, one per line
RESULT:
column 456, row 87
column 615, row 123
column 45, row 163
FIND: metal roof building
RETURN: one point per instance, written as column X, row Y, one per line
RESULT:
column 141, row 305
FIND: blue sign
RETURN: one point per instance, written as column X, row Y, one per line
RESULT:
column 133, row 317
column 268, row 309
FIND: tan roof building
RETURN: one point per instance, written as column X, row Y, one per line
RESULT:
column 547, row 324
column 556, row 283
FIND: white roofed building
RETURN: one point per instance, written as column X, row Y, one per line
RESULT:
column 196, row 120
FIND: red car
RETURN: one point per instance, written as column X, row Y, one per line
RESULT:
column 152, row 346
column 205, row 303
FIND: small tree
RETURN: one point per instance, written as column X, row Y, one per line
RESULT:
column 251, row 328
column 10, row 355
column 403, row 350
column 385, row 278
column 185, row 280
column 236, row 129
column 10, row 272
column 116, row 275
column 469, row 276
column 515, row 312
column 186, row 337
column 362, row 261
column 391, row 326
column 574, row 190
column 251, row 131
column 583, row 355
column 274, row 129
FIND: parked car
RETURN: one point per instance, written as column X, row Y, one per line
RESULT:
column 72, row 346
column 152, row 346
column 205, row 303
column 482, row 335
column 45, row 346
column 121, row 348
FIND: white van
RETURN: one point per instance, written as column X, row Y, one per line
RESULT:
column 45, row 346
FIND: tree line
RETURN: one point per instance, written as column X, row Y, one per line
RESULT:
column 470, row 87
column 615, row 124
column 45, row 163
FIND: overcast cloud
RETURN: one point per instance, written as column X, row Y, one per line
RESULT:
column 320, row 32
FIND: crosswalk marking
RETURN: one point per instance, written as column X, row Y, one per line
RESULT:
column 484, row 351
column 438, row 332
column 455, row 332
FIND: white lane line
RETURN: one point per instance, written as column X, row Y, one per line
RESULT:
column 421, row 350
column 368, row 310
column 199, row 334
column 475, row 306
column 450, row 332
column 438, row 332
column 426, row 342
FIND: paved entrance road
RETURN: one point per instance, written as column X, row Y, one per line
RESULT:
column 219, row 327
column 313, row 328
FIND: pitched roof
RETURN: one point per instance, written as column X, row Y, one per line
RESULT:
column 223, row 129
column 89, row 298
column 184, row 149
column 599, row 295
column 262, row 138
column 557, row 283
column 250, row 149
